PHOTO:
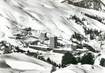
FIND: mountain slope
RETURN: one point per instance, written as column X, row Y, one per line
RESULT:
column 58, row 19
column 77, row 27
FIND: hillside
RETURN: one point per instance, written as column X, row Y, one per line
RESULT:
column 77, row 24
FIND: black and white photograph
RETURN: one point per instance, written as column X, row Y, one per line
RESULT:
column 52, row 36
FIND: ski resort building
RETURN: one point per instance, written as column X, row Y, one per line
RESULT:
column 53, row 42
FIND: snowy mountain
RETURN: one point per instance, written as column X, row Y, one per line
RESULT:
column 59, row 19
column 90, row 4
column 78, row 25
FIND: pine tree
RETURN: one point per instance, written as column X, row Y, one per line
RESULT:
column 68, row 58
column 88, row 59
